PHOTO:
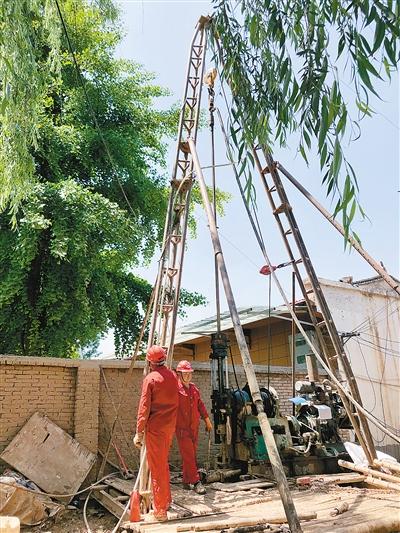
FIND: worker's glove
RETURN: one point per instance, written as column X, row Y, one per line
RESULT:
column 208, row 425
column 138, row 440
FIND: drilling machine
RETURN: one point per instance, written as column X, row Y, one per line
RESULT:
column 308, row 441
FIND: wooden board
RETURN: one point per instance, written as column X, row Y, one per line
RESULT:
column 123, row 485
column 48, row 456
column 242, row 485
column 214, row 501
column 337, row 479
column 108, row 502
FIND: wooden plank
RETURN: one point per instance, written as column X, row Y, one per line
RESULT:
column 335, row 479
column 241, row 522
column 123, row 485
column 48, row 456
column 359, row 513
column 109, row 503
column 243, row 485
column 216, row 502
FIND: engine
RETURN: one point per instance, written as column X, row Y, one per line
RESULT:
column 308, row 442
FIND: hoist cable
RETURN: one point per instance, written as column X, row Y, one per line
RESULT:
column 211, row 109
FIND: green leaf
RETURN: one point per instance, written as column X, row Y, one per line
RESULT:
column 337, row 159
column 362, row 71
column 303, row 153
column 380, row 30
column 307, row 138
column 324, row 153
column 352, row 211
column 390, row 51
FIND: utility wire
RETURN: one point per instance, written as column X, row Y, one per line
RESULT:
column 82, row 82
column 365, row 323
column 383, row 349
column 380, row 338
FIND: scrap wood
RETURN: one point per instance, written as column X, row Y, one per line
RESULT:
column 48, row 456
column 250, row 529
column 241, row 522
column 332, row 479
column 394, row 467
column 210, row 507
column 123, row 485
column 241, row 485
column 340, row 509
column 370, row 480
column 109, row 503
column 370, row 472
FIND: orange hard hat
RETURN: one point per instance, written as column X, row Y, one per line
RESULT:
column 184, row 366
column 156, row 354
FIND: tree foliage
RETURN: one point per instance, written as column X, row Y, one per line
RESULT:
column 89, row 156
column 283, row 60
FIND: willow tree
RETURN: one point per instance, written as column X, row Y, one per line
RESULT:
column 82, row 152
column 286, row 62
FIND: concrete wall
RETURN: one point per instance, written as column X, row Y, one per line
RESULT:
column 372, row 311
column 82, row 396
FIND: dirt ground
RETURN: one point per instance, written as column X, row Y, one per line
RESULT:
column 71, row 521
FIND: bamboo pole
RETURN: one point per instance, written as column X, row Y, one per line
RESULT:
column 274, row 457
column 376, row 266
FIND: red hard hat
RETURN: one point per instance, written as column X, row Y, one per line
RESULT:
column 184, row 366
column 156, row 354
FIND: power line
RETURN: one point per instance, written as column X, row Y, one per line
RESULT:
column 81, row 80
column 384, row 349
column 365, row 323
column 380, row 338
column 366, row 370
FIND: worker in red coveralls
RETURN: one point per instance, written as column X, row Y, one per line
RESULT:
column 191, row 408
column 156, row 422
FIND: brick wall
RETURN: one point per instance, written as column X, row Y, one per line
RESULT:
column 82, row 397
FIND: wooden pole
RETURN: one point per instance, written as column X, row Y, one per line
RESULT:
column 268, row 436
column 395, row 467
column 376, row 266
column 371, row 480
column 237, row 521
column 369, row 472
column 293, row 343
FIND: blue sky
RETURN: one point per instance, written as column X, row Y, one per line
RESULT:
column 158, row 34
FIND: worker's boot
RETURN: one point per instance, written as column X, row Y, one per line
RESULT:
column 199, row 488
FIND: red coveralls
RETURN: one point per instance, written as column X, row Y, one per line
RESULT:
column 157, row 413
column 191, row 407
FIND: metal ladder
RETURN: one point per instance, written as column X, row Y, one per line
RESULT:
column 289, row 230
column 168, row 283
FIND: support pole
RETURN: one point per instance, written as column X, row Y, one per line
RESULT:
column 293, row 343
column 382, row 272
column 266, row 430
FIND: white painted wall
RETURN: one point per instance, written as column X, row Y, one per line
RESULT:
column 373, row 310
